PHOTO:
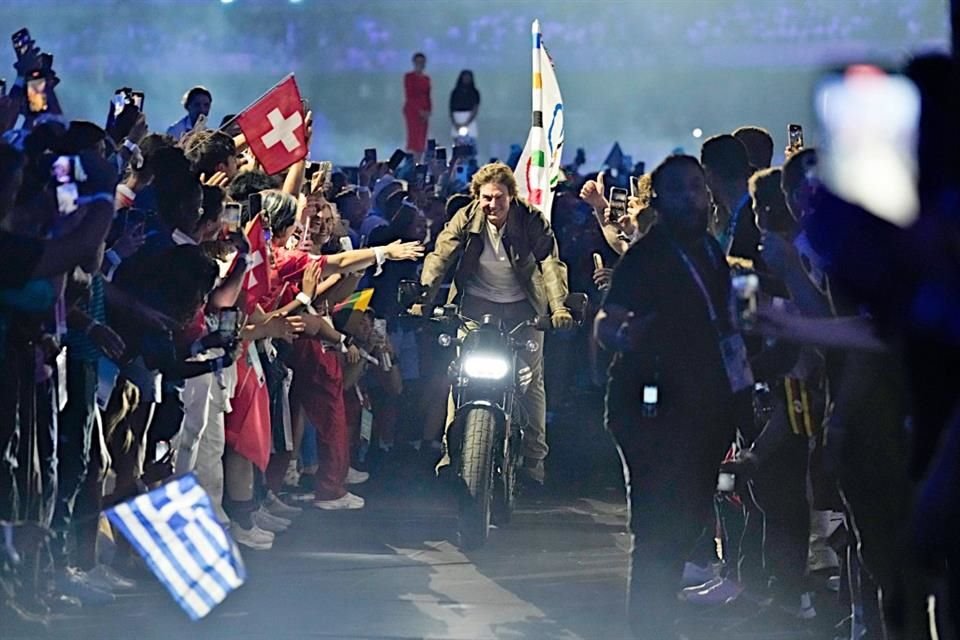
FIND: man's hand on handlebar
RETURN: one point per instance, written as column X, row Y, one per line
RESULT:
column 562, row 319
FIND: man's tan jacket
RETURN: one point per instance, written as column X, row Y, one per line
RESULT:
column 530, row 245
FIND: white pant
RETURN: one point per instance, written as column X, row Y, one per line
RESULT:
column 200, row 443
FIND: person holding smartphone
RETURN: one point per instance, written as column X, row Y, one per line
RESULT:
column 417, row 105
column 197, row 102
column 464, row 105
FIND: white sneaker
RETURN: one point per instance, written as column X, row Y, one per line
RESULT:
column 716, row 592
column 103, row 577
column 254, row 537
column 347, row 501
column 268, row 522
column 694, row 575
column 279, row 508
column 356, row 477
column 291, row 477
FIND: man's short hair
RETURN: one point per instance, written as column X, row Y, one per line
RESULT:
column 765, row 191
column 456, row 202
column 419, row 54
column 495, row 172
column 656, row 178
column 194, row 92
column 250, row 182
column 795, row 170
column 759, row 144
column 208, row 149
column 725, row 156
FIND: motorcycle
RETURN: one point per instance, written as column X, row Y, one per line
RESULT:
column 485, row 440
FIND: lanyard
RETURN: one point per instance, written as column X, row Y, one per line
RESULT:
column 727, row 237
column 696, row 278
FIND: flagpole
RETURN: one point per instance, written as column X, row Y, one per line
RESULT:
column 537, row 80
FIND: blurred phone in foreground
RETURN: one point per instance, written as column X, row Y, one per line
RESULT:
column 870, row 119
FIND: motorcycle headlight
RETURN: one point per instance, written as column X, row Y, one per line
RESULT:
column 485, row 367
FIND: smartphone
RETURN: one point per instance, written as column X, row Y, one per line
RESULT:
column 255, row 204
column 346, row 244
column 461, row 151
column 420, row 176
column 871, row 119
column 46, row 62
column 21, row 42
column 369, row 156
column 618, row 203
column 308, row 171
column 431, row 147
column 231, row 216
column 795, row 136
column 66, row 171
column 726, row 482
column 137, row 97
column 634, row 186
column 119, row 101
column 3, row 87
column 396, row 159
column 651, row 398
column 37, row 93
column 228, row 322
column 440, row 154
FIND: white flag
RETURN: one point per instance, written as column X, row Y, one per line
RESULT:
column 538, row 171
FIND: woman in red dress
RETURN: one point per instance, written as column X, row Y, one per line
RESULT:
column 416, row 106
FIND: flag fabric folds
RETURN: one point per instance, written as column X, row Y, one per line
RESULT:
column 538, row 170
column 256, row 282
column 175, row 530
column 274, row 127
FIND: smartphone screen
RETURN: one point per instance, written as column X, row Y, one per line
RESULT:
column 137, row 97
column 618, row 203
column 441, row 154
column 396, row 159
column 37, row 95
column 870, row 119
column 795, row 136
column 231, row 216
column 3, row 87
column 420, row 176
column 63, row 171
column 228, row 321
column 369, row 156
column 650, row 394
column 634, row 186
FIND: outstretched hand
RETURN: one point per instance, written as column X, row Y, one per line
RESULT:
column 398, row 250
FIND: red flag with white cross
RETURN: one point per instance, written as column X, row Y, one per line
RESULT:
column 274, row 127
column 256, row 283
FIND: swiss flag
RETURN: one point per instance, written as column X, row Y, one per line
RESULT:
column 256, row 283
column 274, row 127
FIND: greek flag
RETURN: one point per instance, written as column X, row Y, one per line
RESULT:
column 176, row 532
column 538, row 170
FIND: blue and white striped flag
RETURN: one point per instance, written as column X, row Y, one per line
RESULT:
column 175, row 530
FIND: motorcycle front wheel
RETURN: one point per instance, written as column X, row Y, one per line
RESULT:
column 476, row 471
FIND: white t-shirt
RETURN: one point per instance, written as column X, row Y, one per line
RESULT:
column 495, row 279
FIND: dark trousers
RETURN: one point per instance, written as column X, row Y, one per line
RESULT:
column 75, row 435
column 670, row 466
column 778, row 531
